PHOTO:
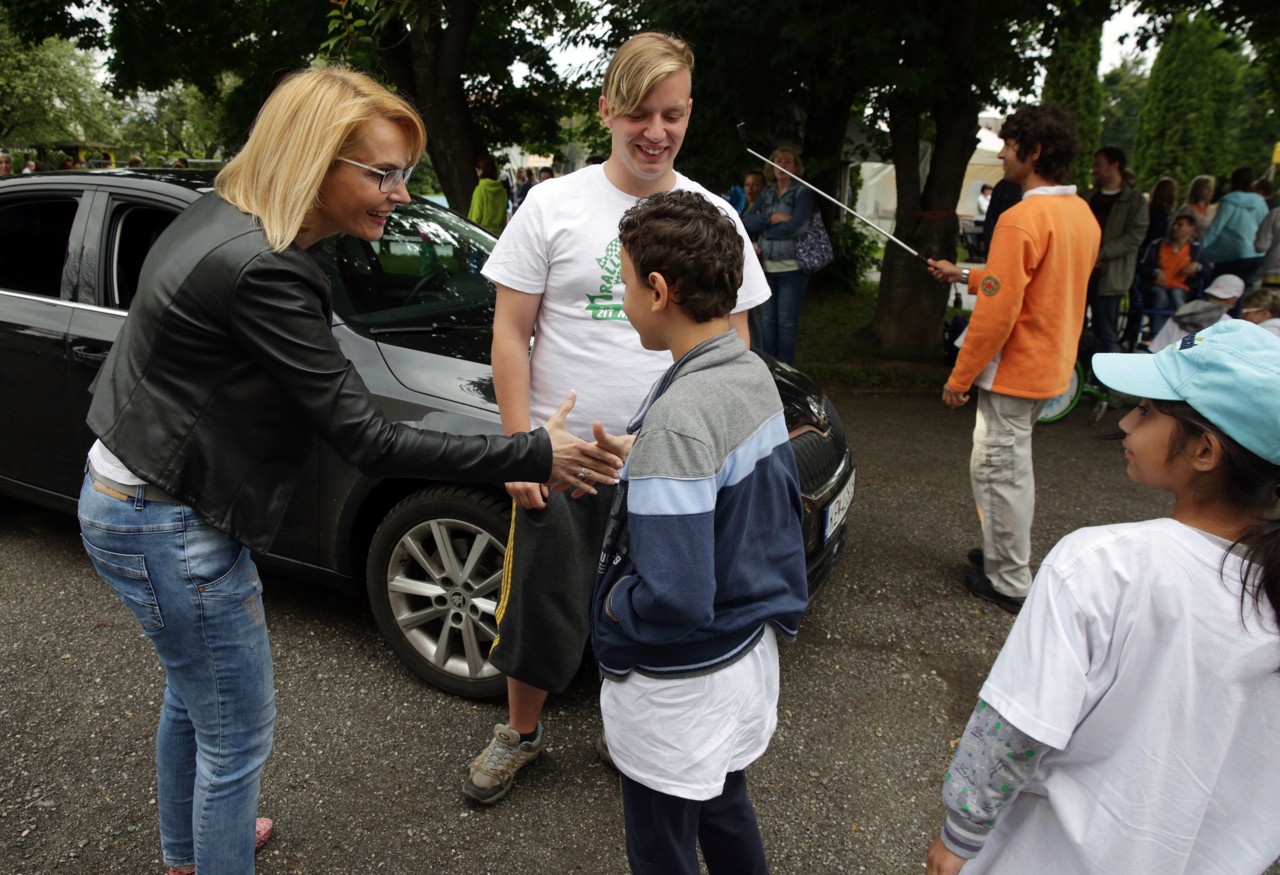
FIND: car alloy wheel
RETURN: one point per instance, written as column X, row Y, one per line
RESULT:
column 434, row 579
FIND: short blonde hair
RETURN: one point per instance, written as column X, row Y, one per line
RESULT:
column 1266, row 298
column 771, row 174
column 311, row 119
column 641, row 63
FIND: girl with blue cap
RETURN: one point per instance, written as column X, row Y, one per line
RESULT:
column 1130, row 721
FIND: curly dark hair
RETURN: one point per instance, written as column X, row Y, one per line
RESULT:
column 693, row 244
column 1051, row 128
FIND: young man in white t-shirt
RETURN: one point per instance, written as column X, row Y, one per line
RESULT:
column 557, row 267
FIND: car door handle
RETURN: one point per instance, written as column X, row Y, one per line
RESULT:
column 89, row 355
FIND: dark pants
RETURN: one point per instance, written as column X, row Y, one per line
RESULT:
column 663, row 832
column 1104, row 318
column 1244, row 268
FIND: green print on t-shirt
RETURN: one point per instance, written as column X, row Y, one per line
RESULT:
column 604, row 305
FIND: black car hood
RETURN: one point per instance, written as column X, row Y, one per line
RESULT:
column 803, row 402
column 452, row 364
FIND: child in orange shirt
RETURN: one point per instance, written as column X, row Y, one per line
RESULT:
column 1169, row 266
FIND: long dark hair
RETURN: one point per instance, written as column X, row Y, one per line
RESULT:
column 1249, row 482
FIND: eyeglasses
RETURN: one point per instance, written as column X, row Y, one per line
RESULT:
column 390, row 179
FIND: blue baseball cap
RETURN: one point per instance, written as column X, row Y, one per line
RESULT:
column 1229, row 372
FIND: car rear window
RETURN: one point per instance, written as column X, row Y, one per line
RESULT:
column 135, row 231
column 33, row 244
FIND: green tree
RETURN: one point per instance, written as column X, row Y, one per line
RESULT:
column 1071, row 78
column 452, row 58
column 49, row 93
column 154, row 44
column 180, row 119
column 796, row 73
column 1254, row 123
column 1123, row 90
column 1187, row 110
column 455, row 61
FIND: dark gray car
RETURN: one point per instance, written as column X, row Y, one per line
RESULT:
column 412, row 312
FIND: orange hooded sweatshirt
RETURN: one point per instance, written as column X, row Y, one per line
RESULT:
column 1031, row 297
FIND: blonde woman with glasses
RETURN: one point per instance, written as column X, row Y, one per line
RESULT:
column 223, row 375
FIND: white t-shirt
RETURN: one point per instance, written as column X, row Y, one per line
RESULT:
column 1131, row 659
column 681, row 736
column 563, row 244
column 1272, row 325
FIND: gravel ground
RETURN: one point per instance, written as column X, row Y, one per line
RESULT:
column 365, row 776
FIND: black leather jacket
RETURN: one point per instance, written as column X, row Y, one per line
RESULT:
column 226, row 367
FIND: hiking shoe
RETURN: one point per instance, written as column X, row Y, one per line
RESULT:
column 492, row 773
column 976, row 558
column 981, row 586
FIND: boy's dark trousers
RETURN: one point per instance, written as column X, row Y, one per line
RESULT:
column 663, row 832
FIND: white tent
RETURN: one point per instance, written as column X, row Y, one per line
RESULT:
column 878, row 197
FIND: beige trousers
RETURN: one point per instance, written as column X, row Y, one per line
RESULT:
column 1004, row 487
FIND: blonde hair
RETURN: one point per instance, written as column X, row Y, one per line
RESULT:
column 641, row 63
column 1266, row 298
column 311, row 119
column 772, row 174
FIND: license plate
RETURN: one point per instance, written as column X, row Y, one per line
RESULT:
column 838, row 507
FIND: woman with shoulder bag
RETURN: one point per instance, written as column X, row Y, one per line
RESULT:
column 777, row 221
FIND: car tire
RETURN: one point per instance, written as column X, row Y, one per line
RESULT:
column 434, row 577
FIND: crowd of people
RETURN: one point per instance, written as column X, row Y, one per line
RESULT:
column 1169, row 259
column 79, row 162
column 657, row 514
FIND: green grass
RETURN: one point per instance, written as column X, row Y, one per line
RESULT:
column 829, row 352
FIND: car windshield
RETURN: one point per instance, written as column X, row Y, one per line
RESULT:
column 422, row 275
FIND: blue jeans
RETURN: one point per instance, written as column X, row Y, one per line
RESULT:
column 195, row 592
column 780, row 315
column 1161, row 298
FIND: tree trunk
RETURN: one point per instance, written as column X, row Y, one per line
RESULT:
column 911, row 304
column 825, row 130
column 427, row 68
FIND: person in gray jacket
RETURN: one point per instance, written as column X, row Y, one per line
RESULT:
column 1122, row 213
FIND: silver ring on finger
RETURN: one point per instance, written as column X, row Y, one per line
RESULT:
column 582, row 475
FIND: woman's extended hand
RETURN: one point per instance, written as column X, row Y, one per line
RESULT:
column 614, row 443
column 577, row 462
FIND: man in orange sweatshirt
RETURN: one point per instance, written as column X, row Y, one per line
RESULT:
column 1021, row 344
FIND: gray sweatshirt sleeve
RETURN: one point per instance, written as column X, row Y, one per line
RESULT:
column 992, row 763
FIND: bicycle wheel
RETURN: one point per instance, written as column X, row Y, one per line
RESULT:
column 1067, row 401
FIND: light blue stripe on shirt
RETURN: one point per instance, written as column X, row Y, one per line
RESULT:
column 741, row 463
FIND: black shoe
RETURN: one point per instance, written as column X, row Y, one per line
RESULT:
column 976, row 559
column 980, row 585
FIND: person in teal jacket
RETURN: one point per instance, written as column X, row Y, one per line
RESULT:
column 489, row 200
column 1228, row 243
